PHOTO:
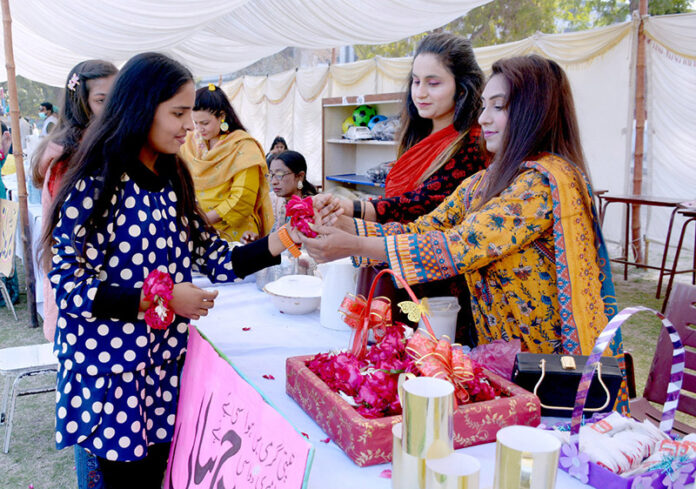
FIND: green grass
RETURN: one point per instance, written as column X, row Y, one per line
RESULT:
column 34, row 460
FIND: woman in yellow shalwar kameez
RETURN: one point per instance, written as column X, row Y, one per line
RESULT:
column 524, row 232
column 228, row 168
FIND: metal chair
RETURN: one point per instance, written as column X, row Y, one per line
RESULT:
column 681, row 311
column 9, row 215
column 688, row 211
column 15, row 364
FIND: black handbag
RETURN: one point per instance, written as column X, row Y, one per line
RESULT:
column 554, row 379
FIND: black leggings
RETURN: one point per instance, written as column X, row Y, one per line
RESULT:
column 146, row 473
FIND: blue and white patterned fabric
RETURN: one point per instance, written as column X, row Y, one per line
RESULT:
column 117, row 382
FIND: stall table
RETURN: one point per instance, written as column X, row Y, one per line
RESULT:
column 629, row 201
column 263, row 348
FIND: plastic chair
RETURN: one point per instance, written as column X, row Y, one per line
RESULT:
column 9, row 215
column 15, row 364
column 681, row 311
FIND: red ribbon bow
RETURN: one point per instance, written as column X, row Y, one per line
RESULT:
column 301, row 213
column 357, row 316
column 438, row 359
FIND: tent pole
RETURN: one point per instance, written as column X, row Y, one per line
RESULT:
column 19, row 163
column 641, row 114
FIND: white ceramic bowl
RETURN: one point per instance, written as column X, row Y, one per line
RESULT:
column 295, row 294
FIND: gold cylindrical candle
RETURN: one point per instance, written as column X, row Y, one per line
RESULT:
column 525, row 458
column 408, row 472
column 456, row 471
column 427, row 413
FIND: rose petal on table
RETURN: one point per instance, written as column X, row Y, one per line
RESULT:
column 385, row 474
column 268, row 377
column 246, row 328
column 325, row 440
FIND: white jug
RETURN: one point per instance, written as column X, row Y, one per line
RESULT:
column 339, row 278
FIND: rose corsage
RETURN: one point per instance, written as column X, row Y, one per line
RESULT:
column 158, row 288
column 301, row 214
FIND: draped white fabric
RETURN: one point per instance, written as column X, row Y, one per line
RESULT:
column 671, row 161
column 211, row 37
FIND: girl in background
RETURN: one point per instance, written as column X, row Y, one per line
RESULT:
column 228, row 168
column 126, row 235
column 86, row 89
column 277, row 146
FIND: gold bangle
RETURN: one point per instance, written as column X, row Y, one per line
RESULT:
column 287, row 241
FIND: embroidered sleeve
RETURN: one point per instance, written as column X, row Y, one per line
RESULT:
column 76, row 276
column 447, row 242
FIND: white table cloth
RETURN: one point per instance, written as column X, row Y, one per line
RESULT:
column 263, row 349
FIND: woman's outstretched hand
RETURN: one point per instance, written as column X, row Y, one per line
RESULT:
column 190, row 301
column 330, row 244
column 327, row 208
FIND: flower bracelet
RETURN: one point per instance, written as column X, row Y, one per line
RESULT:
column 158, row 289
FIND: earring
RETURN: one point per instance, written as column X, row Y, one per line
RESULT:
column 299, row 185
column 224, row 126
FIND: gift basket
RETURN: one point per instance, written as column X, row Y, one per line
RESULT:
column 616, row 452
column 352, row 395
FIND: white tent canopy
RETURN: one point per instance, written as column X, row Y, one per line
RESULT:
column 211, row 37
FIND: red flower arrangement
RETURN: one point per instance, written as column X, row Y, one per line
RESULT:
column 301, row 213
column 370, row 375
column 372, row 380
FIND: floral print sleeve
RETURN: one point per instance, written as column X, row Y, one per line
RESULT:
column 427, row 196
column 448, row 242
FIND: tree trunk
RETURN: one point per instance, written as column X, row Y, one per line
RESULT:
column 641, row 115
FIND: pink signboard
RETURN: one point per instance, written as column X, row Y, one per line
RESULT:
column 227, row 435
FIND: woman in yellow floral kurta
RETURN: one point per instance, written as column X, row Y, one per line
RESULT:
column 228, row 168
column 524, row 231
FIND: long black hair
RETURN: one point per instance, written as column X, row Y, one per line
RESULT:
column 116, row 139
column 541, row 118
column 214, row 100
column 457, row 55
column 296, row 163
column 75, row 114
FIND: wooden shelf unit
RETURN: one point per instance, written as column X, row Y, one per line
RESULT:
column 345, row 162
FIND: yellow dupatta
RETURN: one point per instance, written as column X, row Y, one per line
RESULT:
column 234, row 152
column 579, row 255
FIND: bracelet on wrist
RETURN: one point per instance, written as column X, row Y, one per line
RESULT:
column 287, row 241
column 157, row 289
column 357, row 208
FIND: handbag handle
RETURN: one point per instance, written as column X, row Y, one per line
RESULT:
column 542, row 364
column 361, row 334
column 675, row 380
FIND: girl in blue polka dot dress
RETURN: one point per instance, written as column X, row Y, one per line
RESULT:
column 127, row 234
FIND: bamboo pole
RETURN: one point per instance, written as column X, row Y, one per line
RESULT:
column 641, row 115
column 19, row 163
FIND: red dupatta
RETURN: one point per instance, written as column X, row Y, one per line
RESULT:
column 407, row 171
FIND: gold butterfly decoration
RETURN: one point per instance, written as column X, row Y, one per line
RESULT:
column 414, row 311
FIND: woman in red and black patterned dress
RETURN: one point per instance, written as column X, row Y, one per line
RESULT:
column 439, row 147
